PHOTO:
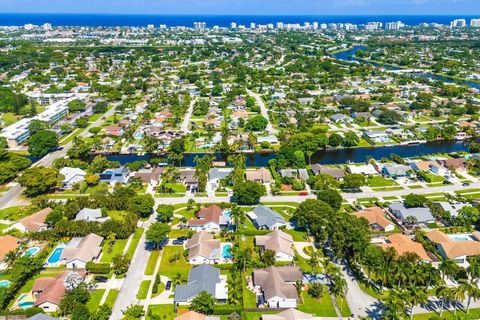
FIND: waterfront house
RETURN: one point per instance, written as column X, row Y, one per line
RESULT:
column 270, row 139
column 203, row 248
column 279, row 242
column 277, row 285
column 261, row 175
column 336, row 173
column 265, row 218
column 301, row 174
column 115, row 131
column 396, row 171
column 366, row 169
column 217, row 174
column 187, row 176
column 377, row 136
column 115, row 175
column 202, row 278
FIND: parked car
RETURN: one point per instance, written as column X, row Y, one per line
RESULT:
column 182, row 238
column 101, row 279
column 466, row 184
column 168, row 285
column 177, row 241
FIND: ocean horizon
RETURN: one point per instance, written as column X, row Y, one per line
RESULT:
column 138, row 20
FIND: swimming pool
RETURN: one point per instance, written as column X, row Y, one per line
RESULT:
column 227, row 213
column 30, row 252
column 461, row 237
column 24, row 302
column 139, row 135
column 55, row 256
column 227, row 252
column 4, row 283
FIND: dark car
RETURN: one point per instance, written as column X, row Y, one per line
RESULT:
column 101, row 279
column 182, row 238
column 168, row 285
column 177, row 241
column 466, row 184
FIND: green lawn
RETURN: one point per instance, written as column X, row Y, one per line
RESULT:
column 171, row 268
column 117, row 249
column 70, row 136
column 117, row 214
column 378, row 181
column 297, row 235
column 9, row 118
column 164, row 311
column 175, row 233
column 322, row 307
column 152, row 261
column 249, row 298
column 112, row 296
column 134, row 243
column 143, row 289
column 473, row 190
column 14, row 213
column 95, row 298
column 416, row 186
column 473, row 314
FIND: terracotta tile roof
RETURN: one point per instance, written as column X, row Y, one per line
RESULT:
column 455, row 248
column 205, row 215
column 374, row 215
column 191, row 315
column 50, row 289
column 8, row 243
column 403, row 244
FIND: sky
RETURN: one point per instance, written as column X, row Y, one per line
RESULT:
column 247, row 7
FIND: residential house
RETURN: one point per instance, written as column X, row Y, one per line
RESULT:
column 456, row 247
column 115, row 131
column 365, row 115
column 277, row 285
column 152, row 176
column 188, row 178
column 191, row 315
column 289, row 314
column 210, row 219
column 376, row 219
column 431, row 166
column 266, row 219
column 396, row 171
column 457, row 164
column 34, row 222
column 81, row 250
column 421, row 215
column 340, row 118
column 279, row 242
column 377, row 136
column 72, row 176
column 115, row 175
column 87, row 214
column 403, row 244
column 301, row 174
column 366, row 169
column 42, row 316
column 203, row 248
column 452, row 208
column 336, row 173
column 202, row 278
column 9, row 244
column 270, row 139
column 49, row 291
column 217, row 174
column 261, row 175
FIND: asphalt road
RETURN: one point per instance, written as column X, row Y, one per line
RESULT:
column 264, row 111
column 12, row 196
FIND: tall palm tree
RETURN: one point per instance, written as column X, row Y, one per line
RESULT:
column 415, row 295
column 176, row 279
column 458, row 294
column 470, row 287
column 444, row 293
column 448, row 268
column 238, row 215
column 394, row 306
column 339, row 286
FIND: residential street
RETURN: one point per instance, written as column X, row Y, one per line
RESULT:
column 264, row 111
column 186, row 121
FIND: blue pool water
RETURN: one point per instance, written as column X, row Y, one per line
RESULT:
column 55, row 256
column 4, row 283
column 227, row 213
column 30, row 252
column 139, row 135
column 227, row 252
column 461, row 238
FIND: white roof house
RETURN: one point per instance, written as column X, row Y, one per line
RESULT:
column 363, row 169
column 87, row 214
column 72, row 176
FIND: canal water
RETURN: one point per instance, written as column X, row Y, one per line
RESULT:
column 337, row 156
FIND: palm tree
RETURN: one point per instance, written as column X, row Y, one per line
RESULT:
column 238, row 215
column 176, row 279
column 458, row 294
column 313, row 262
column 394, row 306
column 444, row 293
column 448, row 267
column 415, row 295
column 471, row 288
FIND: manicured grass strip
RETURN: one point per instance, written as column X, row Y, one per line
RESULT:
column 95, row 298
column 117, row 249
column 249, row 298
column 169, row 266
column 165, row 311
column 175, row 233
column 112, row 296
column 416, row 186
column 71, row 136
column 322, row 307
column 152, row 261
column 134, row 243
column 473, row 190
column 343, row 306
column 448, row 314
column 143, row 289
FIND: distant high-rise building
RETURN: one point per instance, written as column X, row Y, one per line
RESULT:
column 458, row 23
column 150, row 27
column 270, row 26
column 279, row 25
column 233, row 25
column 199, row 26
column 373, row 26
column 253, row 25
column 323, row 26
column 162, row 26
column 47, row 26
column 315, row 25
column 394, row 25
column 475, row 23
column 306, row 25
column 29, row 26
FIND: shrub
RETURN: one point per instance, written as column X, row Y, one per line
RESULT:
column 101, row 268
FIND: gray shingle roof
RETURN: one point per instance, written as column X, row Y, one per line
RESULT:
column 266, row 217
column 421, row 214
column 42, row 316
column 201, row 278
